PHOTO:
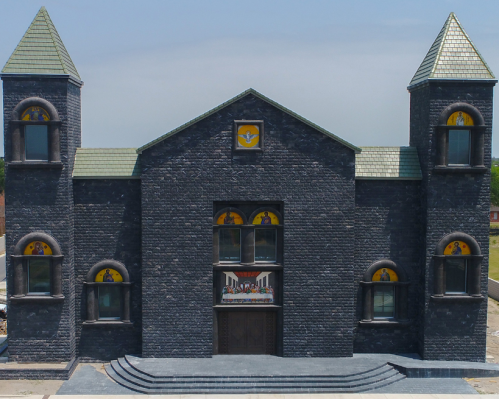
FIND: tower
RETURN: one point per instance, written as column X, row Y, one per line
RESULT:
column 451, row 127
column 42, row 129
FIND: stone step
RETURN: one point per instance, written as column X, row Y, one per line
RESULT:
column 127, row 376
column 139, row 374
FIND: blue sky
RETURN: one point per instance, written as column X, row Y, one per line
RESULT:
column 151, row 66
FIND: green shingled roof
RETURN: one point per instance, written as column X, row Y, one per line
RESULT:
column 106, row 163
column 388, row 163
column 452, row 56
column 234, row 99
column 41, row 51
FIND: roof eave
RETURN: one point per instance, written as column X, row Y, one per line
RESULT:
column 428, row 80
column 72, row 78
column 236, row 98
column 105, row 177
column 386, row 178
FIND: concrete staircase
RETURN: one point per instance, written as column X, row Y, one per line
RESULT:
column 132, row 377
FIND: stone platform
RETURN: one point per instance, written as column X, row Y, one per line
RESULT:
column 240, row 374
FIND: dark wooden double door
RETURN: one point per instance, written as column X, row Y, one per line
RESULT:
column 247, row 332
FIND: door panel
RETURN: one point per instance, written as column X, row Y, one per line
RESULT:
column 247, row 332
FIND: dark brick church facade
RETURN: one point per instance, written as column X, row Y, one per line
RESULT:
column 343, row 215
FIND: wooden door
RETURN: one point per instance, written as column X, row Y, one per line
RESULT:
column 247, row 332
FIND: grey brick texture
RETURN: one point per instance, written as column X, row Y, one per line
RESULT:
column 450, row 203
column 107, row 226
column 387, row 226
column 310, row 173
column 42, row 200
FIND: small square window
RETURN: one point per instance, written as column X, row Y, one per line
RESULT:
column 459, row 147
column 455, row 276
column 36, row 143
column 110, row 301
column 384, row 303
column 230, row 245
column 248, row 135
column 265, row 245
column 39, row 276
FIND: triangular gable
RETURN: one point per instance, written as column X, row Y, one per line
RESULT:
column 452, row 56
column 41, row 51
column 233, row 100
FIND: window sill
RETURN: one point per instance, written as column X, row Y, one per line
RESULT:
column 35, row 165
column 457, row 298
column 459, row 169
column 241, row 307
column 36, row 298
column 107, row 323
column 385, row 323
column 247, row 266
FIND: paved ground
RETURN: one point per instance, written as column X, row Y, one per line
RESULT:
column 91, row 379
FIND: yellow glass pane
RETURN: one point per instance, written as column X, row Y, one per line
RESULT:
column 248, row 136
column 385, row 274
column 230, row 218
column 265, row 218
column 37, row 248
column 35, row 114
column 460, row 118
column 108, row 276
column 457, row 248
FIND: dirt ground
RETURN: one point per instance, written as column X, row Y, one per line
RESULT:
column 490, row 385
column 38, row 387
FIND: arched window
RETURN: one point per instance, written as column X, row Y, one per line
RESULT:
column 37, row 264
column 227, row 235
column 457, row 268
column 384, row 294
column 108, row 293
column 460, row 138
column 268, row 224
column 35, row 133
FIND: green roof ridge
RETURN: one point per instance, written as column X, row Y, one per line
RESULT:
column 238, row 97
column 41, row 51
column 452, row 56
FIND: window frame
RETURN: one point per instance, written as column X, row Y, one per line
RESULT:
column 400, row 297
column 476, row 140
column 92, row 288
column 473, row 269
column 21, row 261
column 18, row 135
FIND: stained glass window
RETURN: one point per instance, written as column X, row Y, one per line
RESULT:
column 384, row 303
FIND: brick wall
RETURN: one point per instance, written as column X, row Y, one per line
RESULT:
column 387, row 226
column 311, row 174
column 451, row 202
column 42, row 200
column 107, row 226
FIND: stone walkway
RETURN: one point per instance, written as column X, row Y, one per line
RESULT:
column 92, row 380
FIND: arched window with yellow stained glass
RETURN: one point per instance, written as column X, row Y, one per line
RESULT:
column 266, row 221
column 384, row 287
column 108, row 293
column 460, row 137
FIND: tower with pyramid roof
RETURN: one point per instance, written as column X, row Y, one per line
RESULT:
column 451, row 127
column 41, row 95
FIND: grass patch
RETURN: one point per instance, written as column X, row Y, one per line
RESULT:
column 494, row 257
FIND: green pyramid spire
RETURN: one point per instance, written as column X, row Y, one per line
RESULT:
column 452, row 56
column 41, row 51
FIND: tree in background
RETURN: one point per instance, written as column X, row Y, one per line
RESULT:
column 494, row 182
column 2, row 175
